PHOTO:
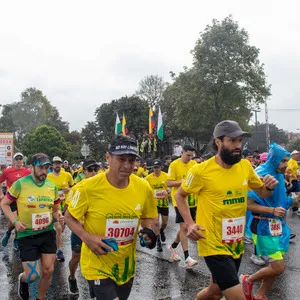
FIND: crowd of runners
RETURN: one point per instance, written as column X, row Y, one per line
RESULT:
column 232, row 198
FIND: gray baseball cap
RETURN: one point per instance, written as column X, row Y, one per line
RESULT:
column 229, row 128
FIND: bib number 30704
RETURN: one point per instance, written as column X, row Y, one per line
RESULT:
column 233, row 230
column 40, row 221
column 123, row 230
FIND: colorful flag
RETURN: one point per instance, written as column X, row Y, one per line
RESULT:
column 160, row 126
column 124, row 126
column 154, row 144
column 118, row 126
column 151, row 121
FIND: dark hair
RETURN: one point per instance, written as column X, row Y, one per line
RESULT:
column 88, row 163
column 214, row 145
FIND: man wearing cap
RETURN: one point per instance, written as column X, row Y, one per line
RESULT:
column 113, row 204
column 63, row 181
column 221, row 184
column 37, row 201
column 67, row 167
column 166, row 164
column 177, row 173
column 158, row 182
column 10, row 175
column 90, row 169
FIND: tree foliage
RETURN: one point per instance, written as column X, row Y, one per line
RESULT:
column 226, row 81
column 293, row 145
column 31, row 111
column 98, row 134
column 258, row 140
column 45, row 139
column 151, row 89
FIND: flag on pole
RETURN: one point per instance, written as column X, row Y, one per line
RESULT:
column 151, row 121
column 118, row 126
column 160, row 126
column 124, row 126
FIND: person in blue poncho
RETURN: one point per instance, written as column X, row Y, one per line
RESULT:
column 269, row 230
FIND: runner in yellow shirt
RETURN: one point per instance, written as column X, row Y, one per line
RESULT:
column 63, row 181
column 158, row 182
column 37, row 202
column 90, row 169
column 221, row 185
column 178, row 170
column 113, row 205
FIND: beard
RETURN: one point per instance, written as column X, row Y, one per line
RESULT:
column 229, row 158
column 40, row 178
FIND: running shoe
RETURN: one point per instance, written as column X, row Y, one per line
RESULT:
column 23, row 290
column 292, row 236
column 190, row 262
column 174, row 253
column 247, row 286
column 5, row 239
column 16, row 245
column 60, row 256
column 257, row 260
column 73, row 288
column 162, row 237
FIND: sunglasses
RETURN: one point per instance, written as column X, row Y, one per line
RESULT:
column 93, row 169
column 19, row 158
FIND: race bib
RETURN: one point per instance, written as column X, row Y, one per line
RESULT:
column 275, row 227
column 41, row 221
column 62, row 196
column 123, row 230
column 233, row 230
column 159, row 194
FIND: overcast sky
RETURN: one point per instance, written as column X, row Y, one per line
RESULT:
column 84, row 53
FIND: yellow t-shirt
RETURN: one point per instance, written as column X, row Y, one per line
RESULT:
column 115, row 213
column 222, row 204
column 139, row 172
column 159, row 184
column 178, row 171
column 293, row 168
column 64, row 180
column 35, row 204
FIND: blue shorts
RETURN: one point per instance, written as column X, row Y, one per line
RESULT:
column 76, row 243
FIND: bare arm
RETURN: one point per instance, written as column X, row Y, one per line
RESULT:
column 93, row 241
column 174, row 183
column 269, row 185
column 257, row 208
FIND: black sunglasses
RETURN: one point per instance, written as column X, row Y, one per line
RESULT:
column 19, row 158
column 91, row 169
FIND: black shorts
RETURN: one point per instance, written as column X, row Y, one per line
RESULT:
column 295, row 187
column 224, row 270
column 31, row 247
column 107, row 289
column 164, row 211
column 179, row 218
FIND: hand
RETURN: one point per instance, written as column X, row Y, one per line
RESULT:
column 279, row 211
column 193, row 232
column 59, row 217
column 66, row 190
column 146, row 238
column 270, row 182
column 95, row 244
column 20, row 226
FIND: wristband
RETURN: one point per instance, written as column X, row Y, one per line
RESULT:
column 268, row 189
column 15, row 221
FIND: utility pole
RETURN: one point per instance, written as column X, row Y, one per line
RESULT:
column 267, row 125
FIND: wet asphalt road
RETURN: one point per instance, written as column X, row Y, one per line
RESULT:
column 156, row 277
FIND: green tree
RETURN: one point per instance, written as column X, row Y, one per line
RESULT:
column 32, row 110
column 74, row 140
column 293, row 145
column 226, row 81
column 98, row 134
column 45, row 139
column 151, row 89
column 258, row 140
